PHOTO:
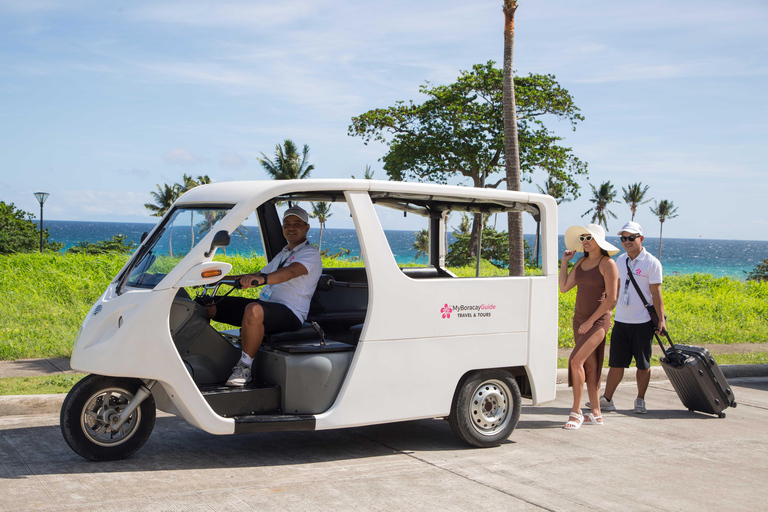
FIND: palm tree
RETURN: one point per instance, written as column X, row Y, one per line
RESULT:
column 634, row 195
column 465, row 226
column 421, row 245
column 663, row 210
column 511, row 146
column 368, row 173
column 321, row 211
column 602, row 197
column 188, row 183
column 556, row 189
column 164, row 198
column 287, row 164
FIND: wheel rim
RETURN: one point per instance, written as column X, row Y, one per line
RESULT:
column 100, row 414
column 490, row 407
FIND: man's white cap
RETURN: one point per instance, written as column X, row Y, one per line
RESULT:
column 631, row 227
column 297, row 211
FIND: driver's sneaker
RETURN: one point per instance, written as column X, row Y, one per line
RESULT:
column 241, row 375
column 640, row 406
column 605, row 404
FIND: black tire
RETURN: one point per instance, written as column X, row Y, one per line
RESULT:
column 84, row 418
column 721, row 415
column 486, row 408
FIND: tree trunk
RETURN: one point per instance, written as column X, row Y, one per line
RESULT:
column 511, row 148
column 661, row 228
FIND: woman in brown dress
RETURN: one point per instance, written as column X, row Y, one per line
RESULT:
column 596, row 277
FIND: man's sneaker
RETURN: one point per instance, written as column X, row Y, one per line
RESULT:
column 605, row 404
column 640, row 406
column 241, row 375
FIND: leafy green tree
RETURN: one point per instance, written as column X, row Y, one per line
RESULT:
column 116, row 245
column 288, row 165
column 321, row 211
column 19, row 233
column 459, row 131
column 421, row 245
column 634, row 195
column 663, row 210
column 495, row 249
column 759, row 273
column 602, row 197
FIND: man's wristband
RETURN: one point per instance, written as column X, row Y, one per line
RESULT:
column 264, row 276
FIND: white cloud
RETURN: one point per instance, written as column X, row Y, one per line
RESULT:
column 102, row 204
column 181, row 156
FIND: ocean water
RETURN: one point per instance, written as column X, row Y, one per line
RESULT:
column 731, row 258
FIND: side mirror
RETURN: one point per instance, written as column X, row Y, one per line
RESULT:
column 220, row 239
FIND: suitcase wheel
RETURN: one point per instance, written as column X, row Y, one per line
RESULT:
column 733, row 404
column 721, row 415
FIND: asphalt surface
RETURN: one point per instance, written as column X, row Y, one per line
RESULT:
column 669, row 459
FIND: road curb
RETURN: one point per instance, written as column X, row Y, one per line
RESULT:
column 22, row 405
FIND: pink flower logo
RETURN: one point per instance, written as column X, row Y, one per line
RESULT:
column 446, row 311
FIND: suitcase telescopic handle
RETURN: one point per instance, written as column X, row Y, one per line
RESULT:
column 665, row 333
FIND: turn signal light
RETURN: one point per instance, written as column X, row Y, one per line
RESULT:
column 211, row 272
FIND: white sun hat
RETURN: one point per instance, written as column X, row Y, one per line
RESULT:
column 572, row 242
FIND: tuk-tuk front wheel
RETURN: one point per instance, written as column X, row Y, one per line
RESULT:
column 486, row 408
column 90, row 410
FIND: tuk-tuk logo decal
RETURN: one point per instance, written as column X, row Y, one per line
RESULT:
column 97, row 310
column 469, row 310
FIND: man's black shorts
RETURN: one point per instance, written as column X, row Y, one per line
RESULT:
column 628, row 340
column 277, row 317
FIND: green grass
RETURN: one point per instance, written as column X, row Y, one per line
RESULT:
column 46, row 297
column 42, row 385
column 748, row 358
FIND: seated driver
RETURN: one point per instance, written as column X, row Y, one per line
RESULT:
column 289, row 282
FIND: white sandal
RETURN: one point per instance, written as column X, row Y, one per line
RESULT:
column 575, row 423
column 591, row 419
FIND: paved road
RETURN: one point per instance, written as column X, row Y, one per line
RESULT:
column 669, row 459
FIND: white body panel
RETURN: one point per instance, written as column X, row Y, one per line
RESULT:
column 420, row 335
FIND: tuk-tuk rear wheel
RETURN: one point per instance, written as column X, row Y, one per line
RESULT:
column 486, row 408
column 88, row 414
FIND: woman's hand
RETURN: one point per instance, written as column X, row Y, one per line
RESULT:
column 585, row 327
column 568, row 256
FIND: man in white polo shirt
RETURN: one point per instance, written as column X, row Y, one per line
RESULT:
column 289, row 282
column 632, row 334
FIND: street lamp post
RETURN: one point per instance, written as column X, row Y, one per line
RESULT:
column 41, row 197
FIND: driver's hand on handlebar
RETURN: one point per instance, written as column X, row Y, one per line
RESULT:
column 250, row 281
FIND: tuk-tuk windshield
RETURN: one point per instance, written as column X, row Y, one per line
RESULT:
column 170, row 243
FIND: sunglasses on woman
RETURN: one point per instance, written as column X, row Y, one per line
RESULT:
column 586, row 238
column 630, row 238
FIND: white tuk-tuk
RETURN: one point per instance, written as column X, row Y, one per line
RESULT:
column 383, row 342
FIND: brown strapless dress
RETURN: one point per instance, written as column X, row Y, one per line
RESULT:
column 590, row 289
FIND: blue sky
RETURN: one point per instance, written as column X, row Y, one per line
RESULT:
column 100, row 101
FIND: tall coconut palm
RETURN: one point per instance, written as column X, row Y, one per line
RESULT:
column 602, row 197
column 556, row 189
column 164, row 199
column 288, row 165
column 634, row 195
column 188, row 183
column 368, row 175
column 511, row 146
column 421, row 245
column 321, row 211
column 663, row 210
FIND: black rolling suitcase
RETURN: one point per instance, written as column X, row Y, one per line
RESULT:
column 697, row 379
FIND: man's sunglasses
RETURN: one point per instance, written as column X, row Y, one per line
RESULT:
column 630, row 238
column 586, row 238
